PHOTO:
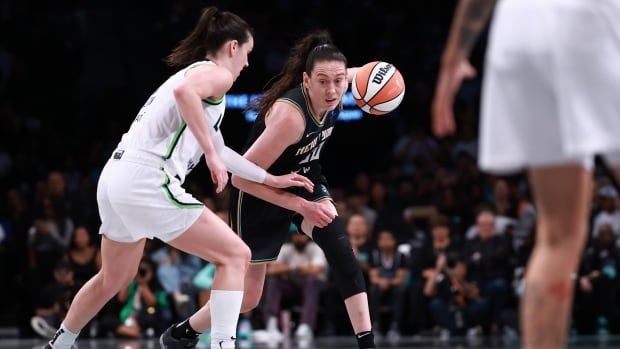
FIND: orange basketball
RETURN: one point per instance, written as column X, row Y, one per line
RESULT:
column 378, row 88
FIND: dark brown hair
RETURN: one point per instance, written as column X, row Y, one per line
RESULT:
column 214, row 28
column 439, row 221
column 314, row 47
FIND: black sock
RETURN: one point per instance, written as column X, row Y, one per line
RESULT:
column 184, row 330
column 365, row 340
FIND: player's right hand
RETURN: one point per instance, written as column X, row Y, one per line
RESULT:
column 317, row 214
column 219, row 173
column 451, row 77
column 289, row 180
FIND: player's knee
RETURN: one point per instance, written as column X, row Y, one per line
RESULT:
column 110, row 284
column 335, row 244
column 237, row 257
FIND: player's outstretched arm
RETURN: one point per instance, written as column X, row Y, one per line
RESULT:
column 469, row 20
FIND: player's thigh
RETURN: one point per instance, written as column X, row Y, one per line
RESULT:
column 212, row 239
column 120, row 260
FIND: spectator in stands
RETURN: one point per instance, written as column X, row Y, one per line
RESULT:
column 389, row 213
column 54, row 300
column 597, row 287
column 358, row 232
column 423, row 261
column 357, row 202
column 300, row 270
column 175, row 273
column 414, row 145
column 488, row 258
column 47, row 241
column 388, row 272
column 83, row 255
column 456, row 304
column 610, row 212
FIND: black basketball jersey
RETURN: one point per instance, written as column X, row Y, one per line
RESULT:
column 303, row 156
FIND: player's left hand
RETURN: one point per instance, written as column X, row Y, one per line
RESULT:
column 451, row 77
column 289, row 180
column 351, row 73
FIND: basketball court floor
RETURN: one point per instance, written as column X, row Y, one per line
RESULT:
column 323, row 343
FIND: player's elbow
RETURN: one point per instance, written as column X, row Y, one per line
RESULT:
column 181, row 91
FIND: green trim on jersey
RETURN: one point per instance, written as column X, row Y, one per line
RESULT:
column 175, row 140
column 292, row 102
column 239, row 199
column 174, row 200
column 256, row 261
column 212, row 101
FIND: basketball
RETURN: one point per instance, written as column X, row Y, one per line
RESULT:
column 378, row 88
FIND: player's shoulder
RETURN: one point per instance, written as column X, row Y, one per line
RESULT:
column 287, row 115
column 294, row 95
column 210, row 71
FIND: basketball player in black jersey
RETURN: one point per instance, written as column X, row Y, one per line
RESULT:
column 296, row 119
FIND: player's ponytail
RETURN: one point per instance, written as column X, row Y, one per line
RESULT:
column 214, row 28
column 316, row 46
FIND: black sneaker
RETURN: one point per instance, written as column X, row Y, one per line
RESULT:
column 168, row 342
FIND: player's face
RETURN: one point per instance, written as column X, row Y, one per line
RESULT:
column 326, row 85
column 240, row 56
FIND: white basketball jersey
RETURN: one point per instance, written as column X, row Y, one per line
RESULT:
column 159, row 128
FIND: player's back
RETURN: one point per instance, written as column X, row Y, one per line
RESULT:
column 160, row 130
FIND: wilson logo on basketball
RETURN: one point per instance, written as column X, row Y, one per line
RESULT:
column 381, row 74
column 378, row 88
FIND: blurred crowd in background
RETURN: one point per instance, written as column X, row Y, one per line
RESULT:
column 443, row 245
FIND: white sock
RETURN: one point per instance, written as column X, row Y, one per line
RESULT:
column 225, row 308
column 63, row 339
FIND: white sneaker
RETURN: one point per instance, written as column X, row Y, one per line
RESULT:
column 269, row 338
column 274, row 334
column 444, row 335
column 41, row 327
column 304, row 332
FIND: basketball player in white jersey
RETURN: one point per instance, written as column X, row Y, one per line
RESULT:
column 140, row 195
column 549, row 104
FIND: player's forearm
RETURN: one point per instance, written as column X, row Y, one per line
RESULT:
column 469, row 20
column 275, row 196
column 242, row 167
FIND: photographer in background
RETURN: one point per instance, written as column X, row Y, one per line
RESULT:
column 145, row 305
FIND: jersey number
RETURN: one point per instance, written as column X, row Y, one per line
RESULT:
column 316, row 152
column 143, row 109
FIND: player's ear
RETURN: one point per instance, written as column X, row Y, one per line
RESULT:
column 306, row 79
column 233, row 47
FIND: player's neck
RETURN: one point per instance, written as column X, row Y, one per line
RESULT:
column 320, row 114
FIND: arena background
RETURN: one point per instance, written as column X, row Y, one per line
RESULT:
column 73, row 75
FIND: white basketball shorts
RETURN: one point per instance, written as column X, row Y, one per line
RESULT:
column 551, row 84
column 137, row 199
